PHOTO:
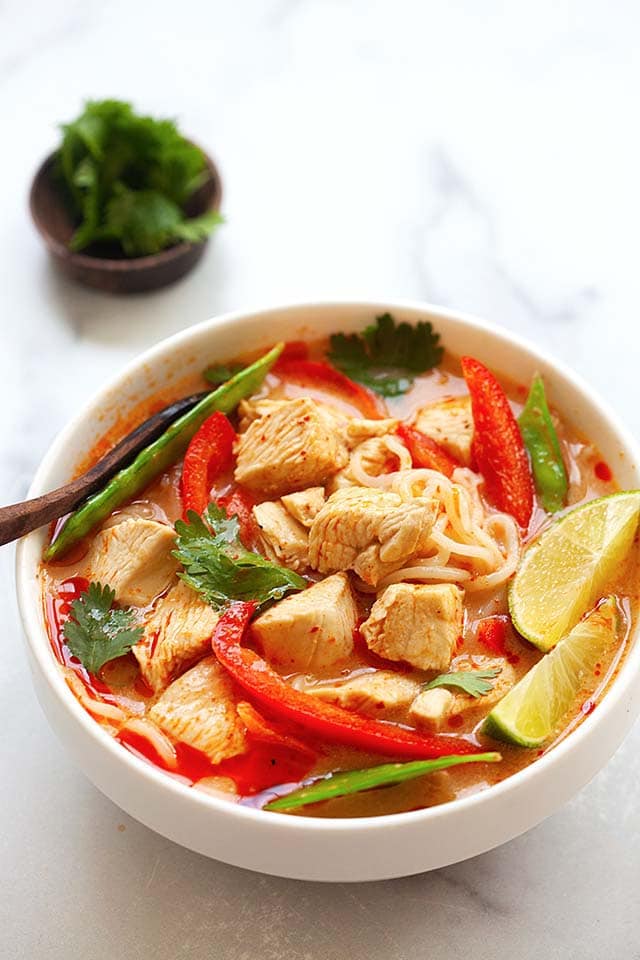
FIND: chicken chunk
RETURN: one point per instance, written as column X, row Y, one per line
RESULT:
column 358, row 429
column 176, row 634
column 199, row 709
column 288, row 449
column 475, row 707
column 134, row 558
column 304, row 505
column 376, row 693
column 372, row 458
column 449, row 423
column 282, row 538
column 250, row 410
column 310, row 630
column 416, row 623
column 432, row 708
column 370, row 531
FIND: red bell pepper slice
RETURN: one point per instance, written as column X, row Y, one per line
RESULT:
column 240, row 503
column 324, row 375
column 497, row 447
column 425, row 452
column 209, row 454
column 270, row 731
column 323, row 720
column 492, row 635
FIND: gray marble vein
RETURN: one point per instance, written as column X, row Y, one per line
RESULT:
column 484, row 156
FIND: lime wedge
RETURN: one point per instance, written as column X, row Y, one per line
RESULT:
column 570, row 565
column 533, row 709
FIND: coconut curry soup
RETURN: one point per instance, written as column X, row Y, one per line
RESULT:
column 359, row 577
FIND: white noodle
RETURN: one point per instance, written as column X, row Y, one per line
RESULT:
column 97, row 708
column 374, row 453
column 161, row 744
column 488, row 544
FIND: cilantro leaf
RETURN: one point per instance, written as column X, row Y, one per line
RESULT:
column 97, row 632
column 474, row 682
column 197, row 229
column 221, row 372
column 387, row 356
column 144, row 221
column 128, row 179
column 220, row 568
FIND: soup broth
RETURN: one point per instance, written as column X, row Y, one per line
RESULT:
column 128, row 696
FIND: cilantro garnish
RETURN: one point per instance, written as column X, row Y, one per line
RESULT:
column 474, row 682
column 387, row 356
column 128, row 178
column 221, row 372
column 98, row 632
column 220, row 568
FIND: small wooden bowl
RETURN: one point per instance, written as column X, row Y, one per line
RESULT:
column 104, row 267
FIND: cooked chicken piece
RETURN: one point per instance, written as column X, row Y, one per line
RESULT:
column 134, row 558
column 432, row 708
column 377, row 693
column 416, row 623
column 358, row 430
column 449, row 423
column 304, row 505
column 370, row 531
column 371, row 458
column 250, row 410
column 310, row 630
column 506, row 678
column 199, row 709
column 177, row 633
column 288, row 449
column 282, row 538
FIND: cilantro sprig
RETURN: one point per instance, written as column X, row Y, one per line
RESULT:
column 221, row 372
column 128, row 178
column 387, row 356
column 98, row 632
column 476, row 683
column 220, row 568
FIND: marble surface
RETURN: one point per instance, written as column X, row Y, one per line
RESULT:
column 483, row 156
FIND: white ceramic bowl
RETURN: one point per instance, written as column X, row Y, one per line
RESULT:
column 364, row 849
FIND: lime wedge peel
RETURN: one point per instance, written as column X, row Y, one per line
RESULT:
column 532, row 710
column 567, row 568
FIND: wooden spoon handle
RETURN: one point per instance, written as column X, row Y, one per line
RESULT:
column 21, row 518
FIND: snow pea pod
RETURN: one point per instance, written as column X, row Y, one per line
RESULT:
column 541, row 440
column 354, row 781
column 159, row 455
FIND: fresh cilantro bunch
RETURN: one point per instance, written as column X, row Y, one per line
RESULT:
column 129, row 178
column 387, row 356
column 220, row 568
column 97, row 632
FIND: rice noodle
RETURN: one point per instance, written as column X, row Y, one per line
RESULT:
column 469, row 545
column 97, row 708
column 374, row 453
column 160, row 743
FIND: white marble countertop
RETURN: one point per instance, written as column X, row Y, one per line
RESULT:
column 483, row 156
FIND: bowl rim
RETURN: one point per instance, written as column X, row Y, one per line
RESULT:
column 108, row 264
column 40, row 648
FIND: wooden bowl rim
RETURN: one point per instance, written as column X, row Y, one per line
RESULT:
column 112, row 265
